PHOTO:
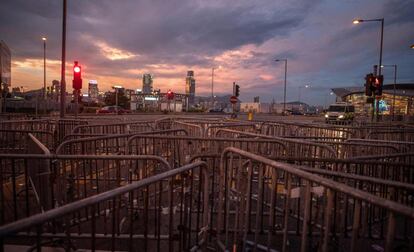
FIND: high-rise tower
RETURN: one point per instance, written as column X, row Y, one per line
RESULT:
column 147, row 83
column 190, row 87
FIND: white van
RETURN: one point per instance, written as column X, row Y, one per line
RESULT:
column 340, row 112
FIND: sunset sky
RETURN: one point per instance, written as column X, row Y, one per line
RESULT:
column 116, row 41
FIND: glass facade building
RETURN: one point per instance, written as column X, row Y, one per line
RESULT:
column 403, row 95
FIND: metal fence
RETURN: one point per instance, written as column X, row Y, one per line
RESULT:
column 257, row 210
column 162, row 212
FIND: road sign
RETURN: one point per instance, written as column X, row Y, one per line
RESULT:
column 233, row 99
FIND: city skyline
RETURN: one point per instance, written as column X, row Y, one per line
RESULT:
column 324, row 48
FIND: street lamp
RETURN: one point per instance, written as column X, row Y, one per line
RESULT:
column 44, row 67
column 212, row 83
column 326, row 97
column 284, row 90
column 395, row 82
column 300, row 87
column 44, row 73
column 357, row 21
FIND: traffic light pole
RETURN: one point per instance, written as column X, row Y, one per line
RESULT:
column 77, row 91
column 62, row 73
column 380, row 64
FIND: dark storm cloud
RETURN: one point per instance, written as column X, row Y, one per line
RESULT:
column 167, row 30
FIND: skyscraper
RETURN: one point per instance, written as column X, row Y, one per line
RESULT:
column 5, row 66
column 190, row 86
column 93, row 91
column 147, row 83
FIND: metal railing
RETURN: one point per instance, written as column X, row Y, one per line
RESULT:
column 295, row 147
column 164, row 211
column 107, row 144
column 65, row 178
column 257, row 210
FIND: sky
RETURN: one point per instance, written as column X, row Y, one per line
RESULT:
column 116, row 42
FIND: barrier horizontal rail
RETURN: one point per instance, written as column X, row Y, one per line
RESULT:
column 66, row 178
column 256, row 209
column 177, row 150
column 107, row 144
column 402, row 146
column 168, row 211
column 295, row 147
column 16, row 141
column 114, row 128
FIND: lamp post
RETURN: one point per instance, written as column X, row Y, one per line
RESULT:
column 284, row 90
column 44, row 74
column 358, row 21
column 326, row 98
column 44, row 67
column 62, row 70
column 212, row 84
column 300, row 88
column 395, row 82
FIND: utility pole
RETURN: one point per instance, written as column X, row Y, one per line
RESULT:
column 62, row 71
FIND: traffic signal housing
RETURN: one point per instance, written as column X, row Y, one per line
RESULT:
column 170, row 95
column 77, row 79
column 369, row 80
column 237, row 92
column 378, row 83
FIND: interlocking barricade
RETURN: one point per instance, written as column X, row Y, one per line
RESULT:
column 112, row 144
column 200, row 128
column 403, row 158
column 258, row 208
column 16, row 141
column 38, row 125
column 322, row 131
column 193, row 129
column 167, row 211
column 354, row 149
column 295, row 147
column 33, row 183
column 402, row 146
column 393, row 135
column 179, row 150
column 116, row 128
column 361, row 170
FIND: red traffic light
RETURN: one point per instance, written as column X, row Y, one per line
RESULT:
column 170, row 95
column 77, row 80
column 76, row 69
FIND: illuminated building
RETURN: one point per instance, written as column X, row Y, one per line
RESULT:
column 404, row 95
column 93, row 91
column 190, row 87
column 147, row 81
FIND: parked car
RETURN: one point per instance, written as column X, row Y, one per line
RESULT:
column 216, row 110
column 112, row 110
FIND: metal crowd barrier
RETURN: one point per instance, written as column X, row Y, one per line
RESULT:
column 17, row 141
column 295, row 129
column 116, row 128
column 257, row 210
column 168, row 211
column 393, row 135
column 106, row 144
column 178, row 150
column 32, row 183
column 295, row 147
column 402, row 146
column 403, row 158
